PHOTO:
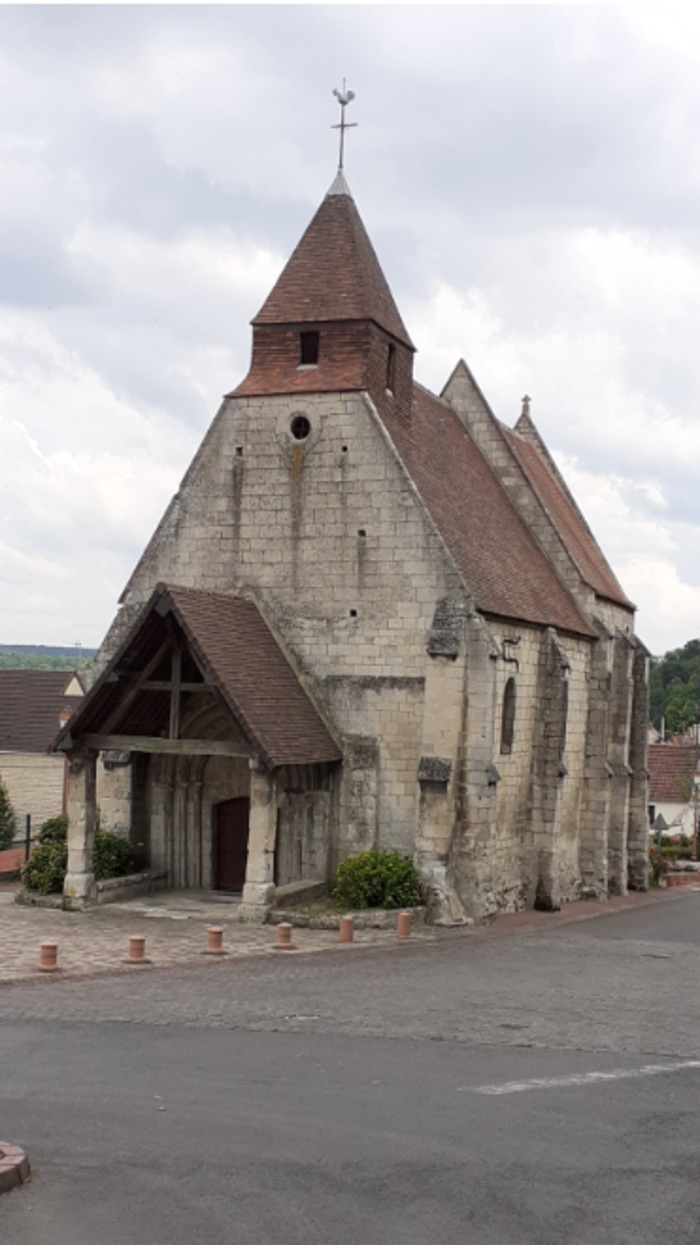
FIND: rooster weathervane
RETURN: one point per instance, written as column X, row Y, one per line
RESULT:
column 344, row 98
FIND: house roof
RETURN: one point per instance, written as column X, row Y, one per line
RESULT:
column 334, row 274
column 568, row 520
column 30, row 704
column 237, row 654
column 502, row 564
column 671, row 771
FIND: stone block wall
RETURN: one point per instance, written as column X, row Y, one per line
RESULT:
column 328, row 535
column 35, row 786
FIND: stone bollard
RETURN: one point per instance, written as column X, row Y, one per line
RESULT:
column 215, row 940
column 284, row 937
column 346, row 929
column 48, row 957
column 137, row 950
column 403, row 925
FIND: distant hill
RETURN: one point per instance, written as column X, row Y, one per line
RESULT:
column 44, row 657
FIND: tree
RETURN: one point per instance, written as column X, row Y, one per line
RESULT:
column 674, row 688
column 7, row 818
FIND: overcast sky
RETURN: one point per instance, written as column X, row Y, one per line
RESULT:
column 530, row 178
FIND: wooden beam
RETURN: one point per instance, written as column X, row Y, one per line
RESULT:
column 174, row 747
column 175, row 679
column 134, row 688
column 164, row 685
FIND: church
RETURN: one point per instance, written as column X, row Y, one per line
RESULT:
column 372, row 616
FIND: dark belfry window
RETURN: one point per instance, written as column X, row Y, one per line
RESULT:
column 391, row 368
column 508, row 718
column 308, row 348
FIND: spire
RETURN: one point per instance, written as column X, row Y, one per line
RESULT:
column 340, row 186
column 524, row 423
column 334, row 273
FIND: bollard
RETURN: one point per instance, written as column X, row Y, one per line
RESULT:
column 215, row 941
column 137, row 950
column 346, row 929
column 284, row 937
column 403, row 925
column 48, row 957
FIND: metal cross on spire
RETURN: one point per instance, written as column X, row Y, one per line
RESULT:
column 343, row 97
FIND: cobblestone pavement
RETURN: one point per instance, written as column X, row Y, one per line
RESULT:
column 96, row 943
column 563, row 982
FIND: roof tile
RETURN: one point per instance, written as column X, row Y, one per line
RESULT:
column 568, row 521
column 671, row 769
column 502, row 564
column 30, row 704
column 334, row 274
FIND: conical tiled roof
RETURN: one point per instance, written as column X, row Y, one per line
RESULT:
column 334, row 274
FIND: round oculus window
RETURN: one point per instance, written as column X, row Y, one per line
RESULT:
column 300, row 427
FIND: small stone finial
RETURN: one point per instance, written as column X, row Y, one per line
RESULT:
column 344, row 98
column 525, row 413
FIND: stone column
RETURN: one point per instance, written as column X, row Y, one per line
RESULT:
column 548, row 772
column 472, row 871
column 79, row 885
column 638, row 826
column 259, row 888
column 595, row 816
column 618, row 760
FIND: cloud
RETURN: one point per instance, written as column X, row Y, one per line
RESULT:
column 530, row 178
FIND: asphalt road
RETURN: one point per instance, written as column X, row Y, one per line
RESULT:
column 533, row 1088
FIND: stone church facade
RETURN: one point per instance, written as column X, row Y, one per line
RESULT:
column 371, row 616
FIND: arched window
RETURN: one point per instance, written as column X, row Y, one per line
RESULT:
column 508, row 717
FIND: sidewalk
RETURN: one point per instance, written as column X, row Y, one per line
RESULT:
column 95, row 943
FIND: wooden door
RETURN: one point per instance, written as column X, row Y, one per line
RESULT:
column 231, row 844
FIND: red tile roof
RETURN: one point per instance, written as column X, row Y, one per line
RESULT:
column 334, row 274
column 254, row 676
column 502, row 564
column 235, row 650
column 671, row 769
column 568, row 521
column 30, row 704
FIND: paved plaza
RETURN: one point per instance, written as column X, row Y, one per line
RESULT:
column 96, row 943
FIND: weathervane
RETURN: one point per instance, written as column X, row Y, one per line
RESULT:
column 343, row 97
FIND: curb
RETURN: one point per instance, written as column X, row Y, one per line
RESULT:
column 14, row 1166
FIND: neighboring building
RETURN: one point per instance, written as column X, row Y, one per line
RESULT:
column 371, row 615
column 673, row 772
column 33, row 706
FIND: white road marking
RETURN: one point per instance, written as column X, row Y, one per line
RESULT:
column 580, row 1078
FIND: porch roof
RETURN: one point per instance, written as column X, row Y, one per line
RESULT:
column 225, row 647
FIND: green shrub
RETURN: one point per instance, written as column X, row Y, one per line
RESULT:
column 46, row 868
column 45, row 871
column 8, row 824
column 114, row 856
column 377, row 879
column 55, row 830
column 677, row 851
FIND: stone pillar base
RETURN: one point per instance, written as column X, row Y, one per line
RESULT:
column 548, row 893
column 79, row 892
column 254, row 913
column 638, row 873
